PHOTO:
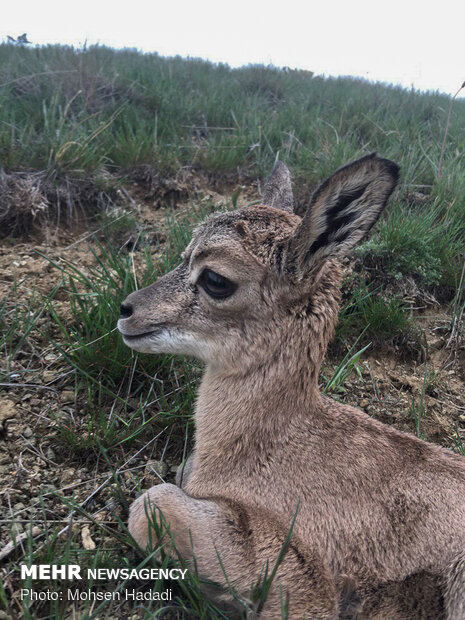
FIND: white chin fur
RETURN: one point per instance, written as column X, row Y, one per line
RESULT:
column 169, row 342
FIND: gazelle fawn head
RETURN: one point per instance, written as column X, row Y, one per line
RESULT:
column 249, row 277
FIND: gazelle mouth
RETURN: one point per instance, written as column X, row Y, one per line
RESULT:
column 134, row 337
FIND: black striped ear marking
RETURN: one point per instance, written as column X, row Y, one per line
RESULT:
column 341, row 212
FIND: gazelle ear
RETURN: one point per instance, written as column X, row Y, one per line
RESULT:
column 341, row 211
column 278, row 189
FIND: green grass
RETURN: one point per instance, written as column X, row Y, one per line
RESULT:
column 369, row 315
column 417, row 409
column 67, row 110
column 88, row 120
column 20, row 311
column 421, row 243
column 345, row 368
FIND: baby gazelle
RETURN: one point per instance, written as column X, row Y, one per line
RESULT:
column 256, row 298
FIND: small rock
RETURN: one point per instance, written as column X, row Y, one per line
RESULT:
column 50, row 454
column 28, row 432
column 67, row 396
column 87, row 541
column 19, row 506
column 49, row 376
column 156, row 467
column 68, row 475
column 7, row 409
column 16, row 529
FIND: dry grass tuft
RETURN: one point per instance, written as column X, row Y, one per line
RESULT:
column 32, row 200
column 22, row 202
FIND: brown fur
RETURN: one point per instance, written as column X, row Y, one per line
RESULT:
column 380, row 529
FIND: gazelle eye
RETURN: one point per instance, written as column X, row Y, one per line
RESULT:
column 215, row 285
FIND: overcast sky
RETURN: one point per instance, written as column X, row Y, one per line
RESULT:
column 408, row 42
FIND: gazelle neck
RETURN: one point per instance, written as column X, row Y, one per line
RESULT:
column 242, row 409
column 235, row 410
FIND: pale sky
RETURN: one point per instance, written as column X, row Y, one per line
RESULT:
column 407, row 42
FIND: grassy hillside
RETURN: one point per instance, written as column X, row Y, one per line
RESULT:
column 68, row 111
column 83, row 121
column 85, row 423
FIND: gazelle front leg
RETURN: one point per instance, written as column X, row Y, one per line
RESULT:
column 232, row 548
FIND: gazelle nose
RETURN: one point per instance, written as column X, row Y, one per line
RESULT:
column 125, row 311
